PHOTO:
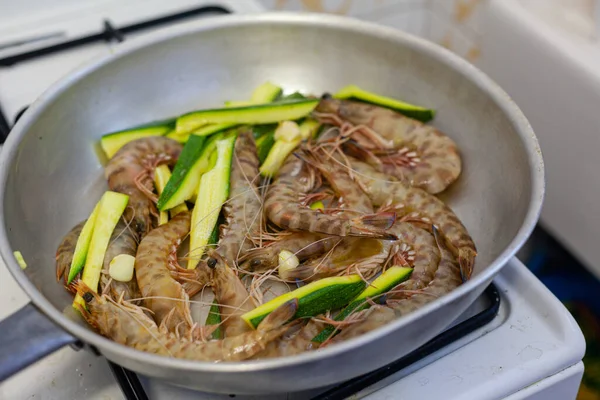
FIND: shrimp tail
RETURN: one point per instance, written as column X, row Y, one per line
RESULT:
column 466, row 260
column 374, row 225
column 279, row 316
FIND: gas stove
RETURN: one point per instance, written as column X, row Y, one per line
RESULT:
column 516, row 342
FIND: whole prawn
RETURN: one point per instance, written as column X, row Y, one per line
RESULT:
column 417, row 248
column 127, row 324
column 65, row 252
column 388, row 193
column 351, row 255
column 447, row 277
column 231, row 295
column 420, row 155
column 304, row 245
column 162, row 294
column 123, row 241
column 130, row 172
column 282, row 206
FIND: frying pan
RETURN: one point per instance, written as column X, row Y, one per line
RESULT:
column 51, row 175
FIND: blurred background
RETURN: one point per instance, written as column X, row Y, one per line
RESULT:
column 544, row 53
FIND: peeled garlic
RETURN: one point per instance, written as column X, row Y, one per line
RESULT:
column 287, row 262
column 121, row 268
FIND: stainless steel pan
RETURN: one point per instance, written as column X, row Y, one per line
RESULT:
column 50, row 175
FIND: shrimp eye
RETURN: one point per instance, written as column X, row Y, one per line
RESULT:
column 211, row 262
column 87, row 297
column 326, row 96
column 255, row 263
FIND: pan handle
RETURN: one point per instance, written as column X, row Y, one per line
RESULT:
column 28, row 336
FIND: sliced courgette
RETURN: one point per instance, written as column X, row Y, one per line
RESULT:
column 313, row 299
column 264, row 144
column 214, row 318
column 265, row 93
column 162, row 175
column 286, row 143
column 255, row 114
column 112, row 205
column 83, row 244
column 353, row 92
column 384, row 283
column 185, row 176
column 112, row 142
column 213, row 191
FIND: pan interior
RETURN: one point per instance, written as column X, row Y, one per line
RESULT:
column 56, row 176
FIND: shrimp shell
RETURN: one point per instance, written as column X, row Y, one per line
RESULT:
column 65, row 252
column 428, row 160
column 283, row 209
column 127, row 324
column 129, row 171
column 162, row 294
column 304, row 245
column 384, row 191
column 122, row 241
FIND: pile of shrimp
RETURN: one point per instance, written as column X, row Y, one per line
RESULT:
column 376, row 174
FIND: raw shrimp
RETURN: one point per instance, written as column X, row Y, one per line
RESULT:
column 231, row 295
column 65, row 252
column 243, row 214
column 364, row 321
column 162, row 294
column 130, row 172
column 410, row 200
column 294, row 341
column 122, row 241
column 417, row 248
column 127, row 324
column 283, row 209
column 351, row 255
column 422, row 156
column 447, row 277
column 304, row 245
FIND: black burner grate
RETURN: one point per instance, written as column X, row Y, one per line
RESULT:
column 109, row 34
column 133, row 389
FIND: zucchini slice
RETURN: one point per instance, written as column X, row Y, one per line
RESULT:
column 112, row 205
column 353, row 92
column 214, row 318
column 82, row 245
column 112, row 142
column 313, row 299
column 213, row 191
column 185, row 176
column 162, row 175
column 265, row 93
column 285, row 144
column 255, row 114
column 384, row 283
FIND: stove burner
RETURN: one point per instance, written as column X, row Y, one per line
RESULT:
column 133, row 389
column 109, row 34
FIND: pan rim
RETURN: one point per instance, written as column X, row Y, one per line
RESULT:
column 436, row 52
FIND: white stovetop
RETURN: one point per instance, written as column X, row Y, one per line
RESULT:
column 533, row 337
